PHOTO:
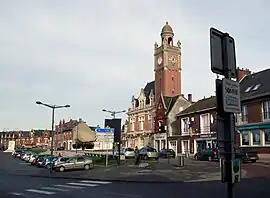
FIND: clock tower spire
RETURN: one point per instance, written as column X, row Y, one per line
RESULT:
column 167, row 64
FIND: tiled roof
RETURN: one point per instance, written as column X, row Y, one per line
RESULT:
column 147, row 90
column 200, row 105
column 255, row 85
column 169, row 102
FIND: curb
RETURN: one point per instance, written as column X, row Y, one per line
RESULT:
column 98, row 179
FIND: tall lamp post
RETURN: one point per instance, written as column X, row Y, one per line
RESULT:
column 113, row 113
column 53, row 107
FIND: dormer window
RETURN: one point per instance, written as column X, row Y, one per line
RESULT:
column 248, row 89
column 256, row 87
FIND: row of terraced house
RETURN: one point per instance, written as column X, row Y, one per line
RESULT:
column 191, row 125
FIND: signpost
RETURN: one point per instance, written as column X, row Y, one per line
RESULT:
column 108, row 134
column 223, row 62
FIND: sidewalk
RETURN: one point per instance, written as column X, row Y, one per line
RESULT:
column 264, row 159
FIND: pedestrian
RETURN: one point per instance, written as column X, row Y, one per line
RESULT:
column 137, row 156
column 59, row 155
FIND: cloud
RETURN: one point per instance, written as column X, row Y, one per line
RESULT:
column 97, row 54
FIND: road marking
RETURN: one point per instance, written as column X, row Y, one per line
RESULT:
column 124, row 195
column 53, row 188
column 17, row 194
column 95, row 182
column 67, row 186
column 80, row 184
column 40, row 191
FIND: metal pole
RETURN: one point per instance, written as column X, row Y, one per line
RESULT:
column 52, row 136
column 229, row 127
column 76, row 139
column 107, row 151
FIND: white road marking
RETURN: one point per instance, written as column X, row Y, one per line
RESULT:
column 40, row 191
column 17, row 194
column 67, row 186
column 95, row 182
column 80, row 184
column 53, row 188
column 124, row 195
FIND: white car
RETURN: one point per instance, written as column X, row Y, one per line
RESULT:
column 128, row 152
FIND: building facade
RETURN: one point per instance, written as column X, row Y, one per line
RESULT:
column 25, row 139
column 197, row 126
column 142, row 118
column 254, row 120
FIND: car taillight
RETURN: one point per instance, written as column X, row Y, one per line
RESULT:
column 215, row 152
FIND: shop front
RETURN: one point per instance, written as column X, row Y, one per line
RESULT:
column 205, row 141
column 255, row 137
column 160, row 141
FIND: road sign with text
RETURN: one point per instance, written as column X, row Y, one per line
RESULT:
column 231, row 96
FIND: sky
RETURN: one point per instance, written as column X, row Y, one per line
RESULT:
column 97, row 54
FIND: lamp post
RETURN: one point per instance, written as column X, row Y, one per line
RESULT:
column 53, row 107
column 113, row 113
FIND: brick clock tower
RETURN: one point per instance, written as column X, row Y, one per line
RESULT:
column 167, row 60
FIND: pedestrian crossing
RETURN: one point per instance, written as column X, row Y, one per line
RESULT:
column 58, row 188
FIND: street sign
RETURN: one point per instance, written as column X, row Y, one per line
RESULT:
column 231, row 96
column 236, row 171
column 222, row 52
column 104, row 130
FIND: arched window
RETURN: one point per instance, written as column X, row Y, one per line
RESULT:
column 170, row 41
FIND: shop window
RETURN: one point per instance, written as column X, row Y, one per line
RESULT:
column 256, row 137
column 245, row 138
column 267, row 136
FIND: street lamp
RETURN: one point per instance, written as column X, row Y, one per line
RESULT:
column 113, row 113
column 53, row 107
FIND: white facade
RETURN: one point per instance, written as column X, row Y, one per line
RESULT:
column 160, row 141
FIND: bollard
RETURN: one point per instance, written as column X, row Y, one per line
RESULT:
column 181, row 159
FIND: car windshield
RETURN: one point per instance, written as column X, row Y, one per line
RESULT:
column 150, row 149
column 129, row 149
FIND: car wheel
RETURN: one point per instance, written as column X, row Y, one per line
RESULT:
column 253, row 161
column 62, row 169
column 209, row 158
column 86, row 167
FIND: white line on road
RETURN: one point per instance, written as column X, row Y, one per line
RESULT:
column 124, row 195
column 40, row 191
column 53, row 188
column 67, row 186
column 80, row 184
column 17, row 194
column 95, row 182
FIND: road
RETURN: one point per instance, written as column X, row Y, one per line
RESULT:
column 12, row 186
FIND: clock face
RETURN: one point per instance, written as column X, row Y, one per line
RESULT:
column 159, row 60
column 172, row 59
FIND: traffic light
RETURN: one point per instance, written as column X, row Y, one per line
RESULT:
column 236, row 171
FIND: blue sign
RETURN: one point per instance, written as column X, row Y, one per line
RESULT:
column 105, row 130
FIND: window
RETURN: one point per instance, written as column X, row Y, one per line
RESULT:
column 80, row 159
column 256, row 87
column 266, row 110
column 185, row 126
column 256, row 137
column 248, row 89
column 141, row 124
column 245, row 138
column 244, row 113
column 205, row 123
column 150, row 121
column 267, row 136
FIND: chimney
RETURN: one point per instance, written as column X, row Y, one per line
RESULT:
column 241, row 73
column 190, row 97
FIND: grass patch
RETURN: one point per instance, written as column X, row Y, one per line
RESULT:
column 101, row 161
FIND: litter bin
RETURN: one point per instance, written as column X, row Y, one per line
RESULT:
column 181, row 160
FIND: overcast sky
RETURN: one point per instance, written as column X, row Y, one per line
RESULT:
column 97, row 54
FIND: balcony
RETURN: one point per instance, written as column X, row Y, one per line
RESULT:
column 205, row 129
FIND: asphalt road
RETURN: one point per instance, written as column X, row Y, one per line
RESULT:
column 24, row 186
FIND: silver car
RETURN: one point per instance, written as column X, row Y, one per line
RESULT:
column 75, row 163
column 148, row 152
column 128, row 152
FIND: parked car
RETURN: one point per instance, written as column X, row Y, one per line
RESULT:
column 167, row 153
column 75, row 163
column 148, row 152
column 246, row 156
column 60, row 160
column 128, row 152
column 210, row 154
